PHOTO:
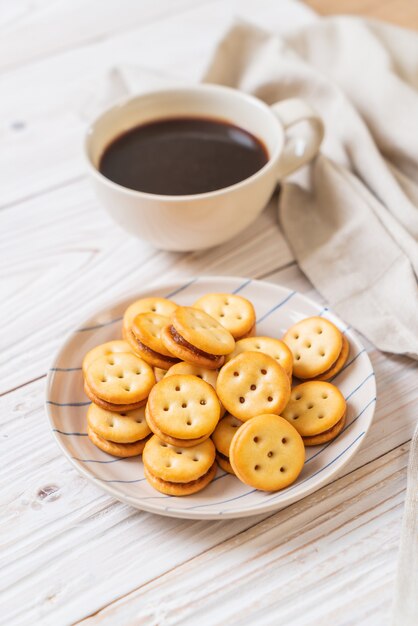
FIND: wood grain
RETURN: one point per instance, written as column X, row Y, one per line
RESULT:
column 85, row 534
column 68, row 550
column 330, row 529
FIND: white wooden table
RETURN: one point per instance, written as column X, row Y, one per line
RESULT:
column 70, row 553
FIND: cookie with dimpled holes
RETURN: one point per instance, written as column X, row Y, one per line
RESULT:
column 222, row 437
column 267, row 453
column 178, row 471
column 209, row 376
column 235, row 313
column 196, row 337
column 120, row 379
column 183, row 407
column 123, row 450
column 109, row 406
column 315, row 408
column 316, row 345
column 121, row 427
column 161, row 306
column 253, row 383
column 275, row 348
column 174, row 441
column 327, row 435
column 104, row 349
column 145, row 340
column 339, row 363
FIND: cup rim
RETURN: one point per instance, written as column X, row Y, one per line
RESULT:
column 123, row 102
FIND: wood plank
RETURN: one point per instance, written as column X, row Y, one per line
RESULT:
column 347, row 532
column 401, row 12
column 74, row 551
column 75, row 259
column 84, row 531
column 53, row 27
column 44, row 104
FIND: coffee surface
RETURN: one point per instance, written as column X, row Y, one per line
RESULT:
column 183, row 156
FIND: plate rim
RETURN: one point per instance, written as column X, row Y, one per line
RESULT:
column 188, row 513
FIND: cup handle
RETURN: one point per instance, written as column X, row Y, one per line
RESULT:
column 298, row 149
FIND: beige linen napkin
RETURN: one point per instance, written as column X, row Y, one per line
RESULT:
column 353, row 221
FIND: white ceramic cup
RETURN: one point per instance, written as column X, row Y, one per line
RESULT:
column 193, row 222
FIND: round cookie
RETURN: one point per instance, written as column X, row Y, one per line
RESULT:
column 196, row 337
column 122, row 427
column 173, row 441
column 109, row 406
column 275, row 348
column 327, row 435
column 339, row 363
column 235, row 313
column 316, row 344
column 209, row 376
column 120, row 379
column 180, row 489
column 145, row 339
column 177, row 464
column 267, row 453
column 253, row 383
column 314, row 407
column 176, row 470
column 110, row 347
column 184, row 407
column 162, row 306
column 123, row 450
column 223, row 433
column 222, row 437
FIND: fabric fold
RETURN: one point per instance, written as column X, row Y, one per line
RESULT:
column 352, row 223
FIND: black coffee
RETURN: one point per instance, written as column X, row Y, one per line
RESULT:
column 183, row 156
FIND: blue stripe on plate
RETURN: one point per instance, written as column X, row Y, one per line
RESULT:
column 327, row 310
column 343, row 430
column 221, row 476
column 198, row 506
column 322, row 468
column 306, row 479
column 277, row 306
column 348, row 364
column 67, row 403
column 310, row 459
column 359, row 386
column 167, row 496
column 182, row 288
column 119, row 319
column 241, row 287
column 62, row 432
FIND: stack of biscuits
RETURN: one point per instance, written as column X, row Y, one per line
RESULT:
column 118, row 383
column 191, row 386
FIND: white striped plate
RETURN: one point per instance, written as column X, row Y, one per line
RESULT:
column 277, row 308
